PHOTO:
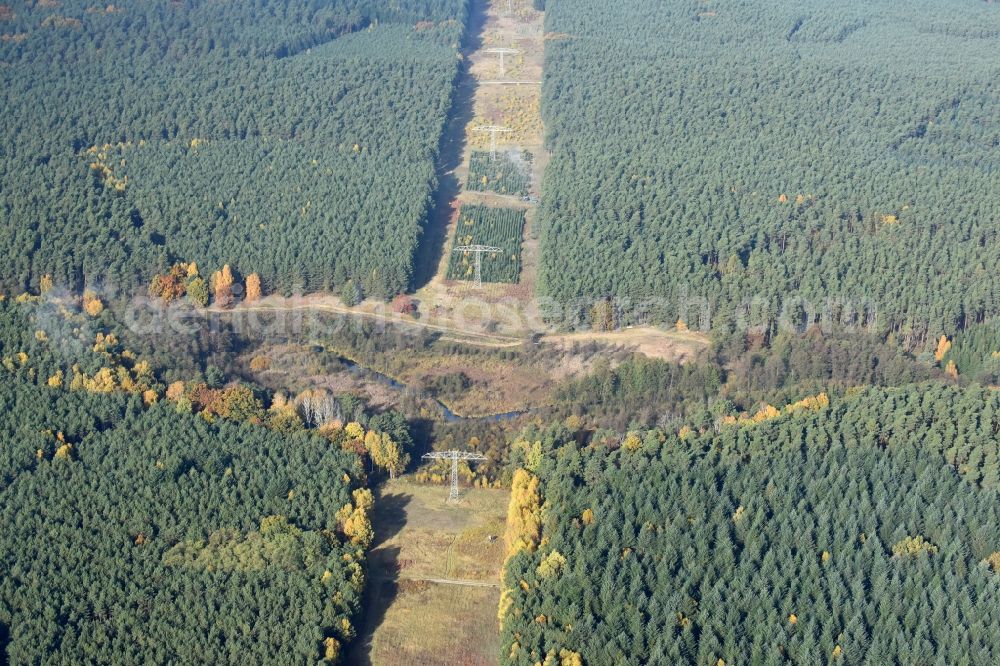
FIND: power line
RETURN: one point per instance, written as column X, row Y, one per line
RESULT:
column 478, row 250
column 493, row 130
column 454, row 456
column 499, row 82
column 502, row 52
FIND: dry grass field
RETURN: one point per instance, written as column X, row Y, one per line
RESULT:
column 433, row 572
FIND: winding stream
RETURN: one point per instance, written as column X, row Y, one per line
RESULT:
column 449, row 416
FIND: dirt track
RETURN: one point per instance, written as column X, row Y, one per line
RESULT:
column 654, row 342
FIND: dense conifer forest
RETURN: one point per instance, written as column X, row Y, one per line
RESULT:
column 174, row 521
column 828, row 533
column 292, row 139
column 773, row 151
column 146, row 535
column 976, row 352
column 812, row 478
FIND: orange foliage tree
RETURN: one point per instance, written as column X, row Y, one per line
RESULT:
column 253, row 288
column 943, row 346
column 171, row 285
column 222, row 286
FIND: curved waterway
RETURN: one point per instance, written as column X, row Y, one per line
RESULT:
column 449, row 416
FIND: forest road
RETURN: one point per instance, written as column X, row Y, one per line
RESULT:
column 653, row 342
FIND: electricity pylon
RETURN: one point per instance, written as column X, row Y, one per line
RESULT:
column 478, row 250
column 454, row 457
column 493, row 130
column 502, row 52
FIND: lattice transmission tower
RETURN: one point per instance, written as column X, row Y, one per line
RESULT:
column 478, row 250
column 493, row 130
column 454, row 457
column 502, row 52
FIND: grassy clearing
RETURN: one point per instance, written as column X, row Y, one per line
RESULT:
column 419, row 536
column 447, row 625
column 423, row 536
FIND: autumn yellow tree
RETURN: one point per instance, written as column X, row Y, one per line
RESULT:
column 632, row 442
column 524, row 519
column 92, row 305
column 222, row 286
column 331, row 650
column 363, row 499
column 569, row 658
column 993, row 562
column 171, row 285
column 374, row 447
column 765, row 413
column 353, row 518
column 237, row 403
column 524, row 527
column 551, row 565
column 103, row 381
column 943, row 346
column 176, row 391
column 284, row 417
column 563, row 658
column 913, row 546
column 253, row 288
column 385, row 453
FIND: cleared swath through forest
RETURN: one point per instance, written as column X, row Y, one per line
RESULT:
column 469, row 174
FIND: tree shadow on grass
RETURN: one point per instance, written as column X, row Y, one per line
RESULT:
column 450, row 151
column 389, row 517
column 381, row 589
column 382, row 584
